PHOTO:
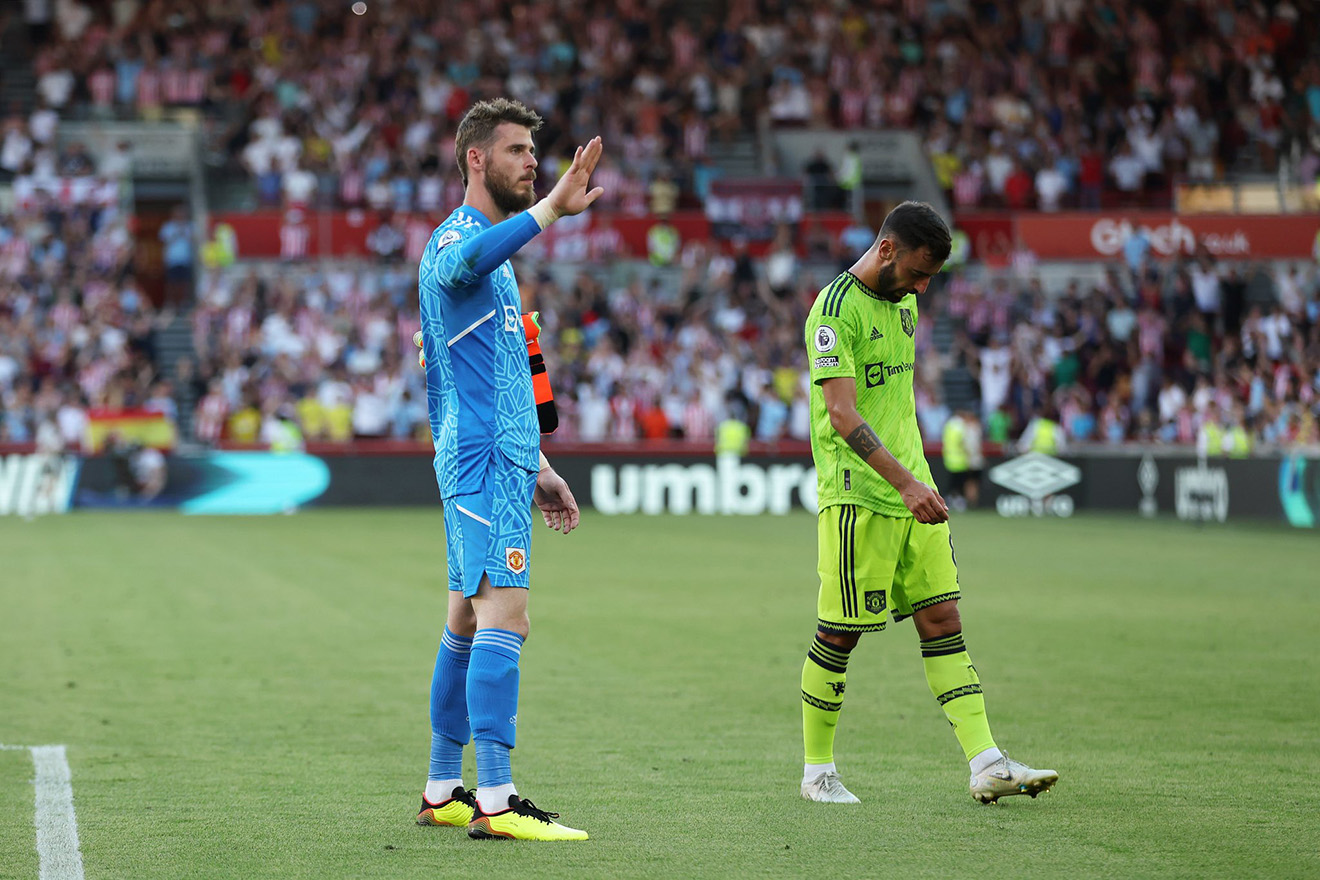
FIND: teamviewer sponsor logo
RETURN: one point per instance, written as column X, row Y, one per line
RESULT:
column 877, row 373
column 1038, row 479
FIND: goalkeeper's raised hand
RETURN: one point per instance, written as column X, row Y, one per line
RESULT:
column 570, row 195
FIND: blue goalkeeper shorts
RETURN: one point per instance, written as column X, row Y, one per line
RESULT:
column 490, row 532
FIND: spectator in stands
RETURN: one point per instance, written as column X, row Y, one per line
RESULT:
column 995, row 373
column 55, row 81
column 211, row 415
column 244, row 423
column 386, row 241
column 663, row 242
column 177, row 237
column 150, row 473
column 822, row 193
column 16, row 146
column 1043, row 433
column 781, row 263
column 1129, row 174
column 848, row 177
column 1051, row 186
column 963, row 457
column 1017, row 188
column 280, row 431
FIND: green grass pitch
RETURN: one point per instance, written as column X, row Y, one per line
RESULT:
column 248, row 698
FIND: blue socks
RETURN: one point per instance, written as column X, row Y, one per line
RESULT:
column 475, row 678
column 449, row 710
column 492, row 699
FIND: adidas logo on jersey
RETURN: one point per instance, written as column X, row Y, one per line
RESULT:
column 876, row 334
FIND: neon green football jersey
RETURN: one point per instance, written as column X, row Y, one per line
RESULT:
column 852, row 332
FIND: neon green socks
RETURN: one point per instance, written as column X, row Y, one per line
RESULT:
column 823, row 677
column 953, row 681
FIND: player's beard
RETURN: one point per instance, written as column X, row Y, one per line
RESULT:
column 886, row 287
column 505, row 193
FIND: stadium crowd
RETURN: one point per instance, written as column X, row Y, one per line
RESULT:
column 1044, row 103
column 1151, row 356
column 76, row 330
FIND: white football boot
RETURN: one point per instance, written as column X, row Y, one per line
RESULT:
column 825, row 788
column 1005, row 777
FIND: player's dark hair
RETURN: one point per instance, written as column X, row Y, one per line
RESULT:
column 478, row 126
column 917, row 225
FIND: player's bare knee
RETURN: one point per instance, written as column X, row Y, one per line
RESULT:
column 846, row 641
column 462, row 625
column 938, row 620
column 460, row 618
column 502, row 608
column 522, row 626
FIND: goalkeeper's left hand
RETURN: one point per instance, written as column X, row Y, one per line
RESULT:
column 558, row 507
column 421, row 352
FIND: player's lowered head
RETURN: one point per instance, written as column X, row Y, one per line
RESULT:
column 497, row 159
column 911, row 248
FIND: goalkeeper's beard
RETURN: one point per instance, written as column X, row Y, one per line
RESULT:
column 506, row 196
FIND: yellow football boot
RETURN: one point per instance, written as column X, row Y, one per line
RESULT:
column 457, row 810
column 523, row 820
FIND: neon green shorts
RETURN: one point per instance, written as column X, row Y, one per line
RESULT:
column 870, row 564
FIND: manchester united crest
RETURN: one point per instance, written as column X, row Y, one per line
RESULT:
column 909, row 323
column 515, row 559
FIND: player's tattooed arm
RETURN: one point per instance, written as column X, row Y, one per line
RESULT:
column 922, row 500
column 864, row 441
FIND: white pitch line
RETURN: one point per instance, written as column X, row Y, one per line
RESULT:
column 57, row 827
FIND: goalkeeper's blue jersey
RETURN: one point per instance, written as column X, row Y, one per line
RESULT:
column 478, row 383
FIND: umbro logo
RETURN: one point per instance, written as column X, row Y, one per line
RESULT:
column 1035, row 475
column 876, row 334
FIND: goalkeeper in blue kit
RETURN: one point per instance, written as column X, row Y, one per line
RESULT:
column 488, row 462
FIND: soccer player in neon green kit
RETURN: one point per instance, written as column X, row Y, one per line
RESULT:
column 882, row 531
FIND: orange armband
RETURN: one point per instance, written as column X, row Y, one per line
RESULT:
column 544, row 395
column 546, row 413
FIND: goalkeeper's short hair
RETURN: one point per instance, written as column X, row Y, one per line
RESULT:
column 477, row 129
